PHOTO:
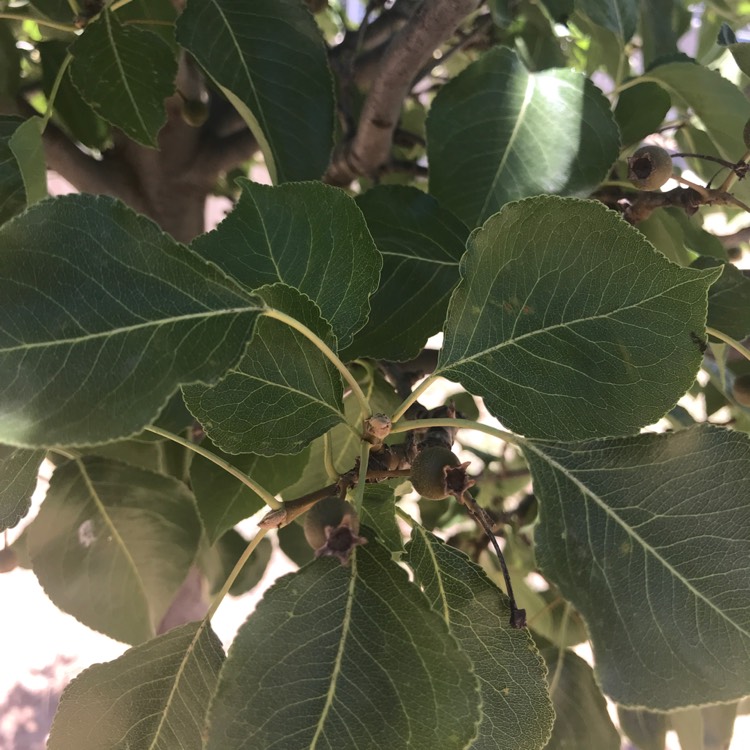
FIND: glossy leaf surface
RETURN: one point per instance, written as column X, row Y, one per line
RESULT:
column 112, row 544
column 646, row 537
column 92, row 347
column 271, row 63
column 516, row 710
column 569, row 324
column 548, row 132
column 361, row 642
column 154, row 697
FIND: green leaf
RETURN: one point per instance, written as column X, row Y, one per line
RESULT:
column 157, row 16
column 145, row 454
column 740, row 50
column 662, row 229
column 136, row 64
column 91, row 349
column 548, row 132
column 720, row 106
column 217, row 563
column 569, row 324
column 76, row 115
column 421, row 244
column 345, row 445
column 581, row 718
column 294, row 545
column 18, row 474
column 155, row 695
column 112, row 544
column 728, row 299
column 645, row 536
column 379, row 514
column 516, row 710
column 282, row 394
column 647, row 729
column 640, row 110
column 26, row 145
column 224, row 501
column 619, row 16
column 55, row 10
column 12, row 191
column 358, row 657
column 310, row 236
column 272, row 65
column 661, row 26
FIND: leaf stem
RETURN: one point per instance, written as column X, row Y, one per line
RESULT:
column 328, row 352
column 119, row 4
column 333, row 475
column 263, row 493
column 464, row 424
column 40, row 22
column 55, row 88
column 236, row 570
column 405, row 517
column 743, row 350
column 412, row 397
column 359, row 489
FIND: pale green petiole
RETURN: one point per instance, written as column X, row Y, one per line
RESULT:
column 263, row 493
column 743, row 350
column 327, row 352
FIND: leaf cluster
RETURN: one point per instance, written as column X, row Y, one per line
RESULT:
column 180, row 387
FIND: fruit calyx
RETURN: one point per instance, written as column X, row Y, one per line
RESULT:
column 437, row 472
column 649, row 167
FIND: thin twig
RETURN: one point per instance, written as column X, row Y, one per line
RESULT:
column 517, row 615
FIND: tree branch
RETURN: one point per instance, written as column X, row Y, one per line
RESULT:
column 407, row 54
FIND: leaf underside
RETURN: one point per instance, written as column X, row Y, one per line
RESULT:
column 646, row 536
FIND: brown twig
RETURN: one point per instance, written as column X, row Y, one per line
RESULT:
column 408, row 52
column 293, row 508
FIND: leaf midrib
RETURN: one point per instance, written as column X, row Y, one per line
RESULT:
column 548, row 329
column 102, row 508
column 633, row 534
column 438, row 574
column 130, row 329
column 261, row 112
column 175, row 682
column 345, row 628
column 125, row 83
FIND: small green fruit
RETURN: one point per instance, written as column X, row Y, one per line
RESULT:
column 437, row 472
column 746, row 135
column 741, row 389
column 194, row 112
column 649, row 167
